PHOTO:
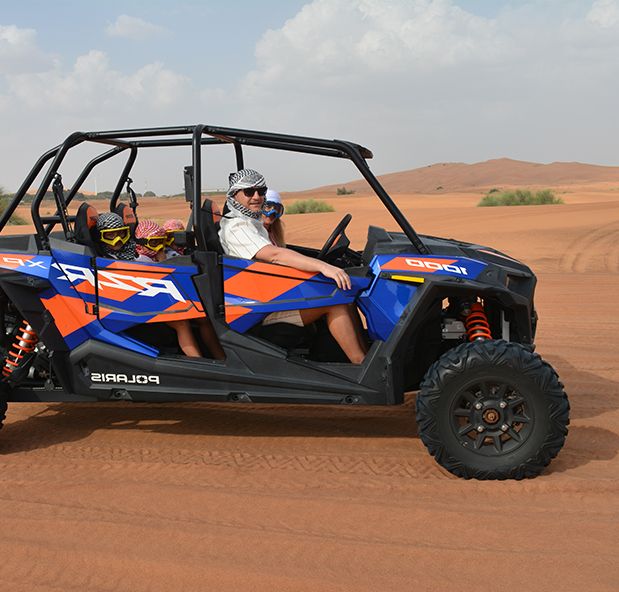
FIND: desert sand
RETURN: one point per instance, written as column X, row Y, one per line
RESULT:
column 132, row 497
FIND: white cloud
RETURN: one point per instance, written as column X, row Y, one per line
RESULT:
column 341, row 37
column 134, row 28
column 19, row 51
column 92, row 85
column 604, row 13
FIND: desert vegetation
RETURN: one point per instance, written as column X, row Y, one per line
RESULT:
column 519, row 197
column 5, row 198
column 344, row 191
column 308, row 206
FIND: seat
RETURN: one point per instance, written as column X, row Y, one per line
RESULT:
column 209, row 217
column 128, row 215
column 86, row 225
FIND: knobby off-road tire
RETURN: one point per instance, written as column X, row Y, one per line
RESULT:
column 492, row 410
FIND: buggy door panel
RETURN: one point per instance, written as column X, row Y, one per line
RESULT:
column 253, row 289
column 129, row 293
column 72, row 303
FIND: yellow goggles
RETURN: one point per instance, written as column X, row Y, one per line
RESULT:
column 115, row 236
column 170, row 237
column 155, row 243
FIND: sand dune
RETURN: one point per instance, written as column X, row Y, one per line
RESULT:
column 500, row 173
column 214, row 497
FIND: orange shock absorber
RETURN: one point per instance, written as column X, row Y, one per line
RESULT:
column 25, row 341
column 476, row 323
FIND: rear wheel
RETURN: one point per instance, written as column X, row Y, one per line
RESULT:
column 3, row 408
column 492, row 410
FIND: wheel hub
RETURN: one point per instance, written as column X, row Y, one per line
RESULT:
column 491, row 416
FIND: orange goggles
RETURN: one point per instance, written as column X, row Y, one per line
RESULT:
column 115, row 236
column 156, row 243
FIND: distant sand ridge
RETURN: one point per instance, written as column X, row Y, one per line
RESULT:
column 500, row 172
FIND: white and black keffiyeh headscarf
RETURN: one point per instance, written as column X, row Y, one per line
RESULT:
column 244, row 179
column 112, row 220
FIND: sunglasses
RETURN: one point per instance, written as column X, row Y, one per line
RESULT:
column 156, row 243
column 249, row 192
column 115, row 236
column 272, row 208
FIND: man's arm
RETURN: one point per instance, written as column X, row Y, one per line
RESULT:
column 290, row 258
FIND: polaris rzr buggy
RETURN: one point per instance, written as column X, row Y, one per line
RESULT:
column 453, row 320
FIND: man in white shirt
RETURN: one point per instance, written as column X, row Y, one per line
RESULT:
column 242, row 234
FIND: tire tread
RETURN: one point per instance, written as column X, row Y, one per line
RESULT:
column 496, row 352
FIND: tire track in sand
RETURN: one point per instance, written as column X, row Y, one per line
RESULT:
column 596, row 251
column 309, row 463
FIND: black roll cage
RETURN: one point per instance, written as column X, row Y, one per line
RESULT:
column 195, row 136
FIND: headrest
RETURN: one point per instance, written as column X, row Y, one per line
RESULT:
column 128, row 215
column 86, row 225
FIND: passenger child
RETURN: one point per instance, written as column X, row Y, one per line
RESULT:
column 171, row 226
column 151, row 241
column 114, row 237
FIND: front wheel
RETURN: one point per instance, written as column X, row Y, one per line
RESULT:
column 492, row 410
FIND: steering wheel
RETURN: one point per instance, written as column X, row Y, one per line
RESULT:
column 339, row 229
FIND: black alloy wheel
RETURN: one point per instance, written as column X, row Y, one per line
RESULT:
column 492, row 410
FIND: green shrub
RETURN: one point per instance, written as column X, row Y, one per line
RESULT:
column 344, row 191
column 308, row 206
column 519, row 197
column 14, row 220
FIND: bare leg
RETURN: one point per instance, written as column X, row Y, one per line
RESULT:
column 186, row 340
column 342, row 327
column 207, row 332
column 359, row 328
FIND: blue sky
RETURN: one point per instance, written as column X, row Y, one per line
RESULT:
column 418, row 81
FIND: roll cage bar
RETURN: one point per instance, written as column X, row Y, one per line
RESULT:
column 195, row 136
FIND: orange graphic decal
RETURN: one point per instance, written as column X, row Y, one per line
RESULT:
column 69, row 313
column 234, row 312
column 14, row 260
column 257, row 288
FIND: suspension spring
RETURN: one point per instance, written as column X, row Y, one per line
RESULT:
column 25, row 342
column 476, row 323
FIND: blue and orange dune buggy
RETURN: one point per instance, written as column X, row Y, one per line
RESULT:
column 453, row 320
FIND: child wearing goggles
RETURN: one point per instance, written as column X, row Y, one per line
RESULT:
column 171, row 226
column 114, row 237
column 152, row 242
column 272, row 211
